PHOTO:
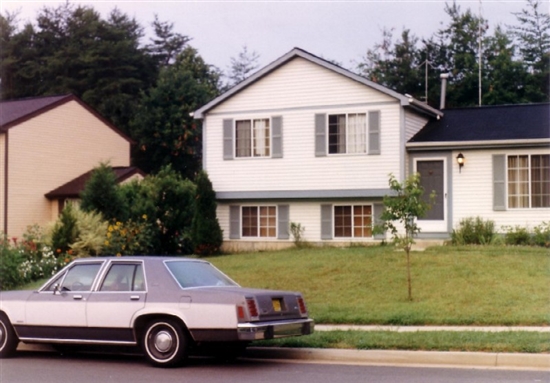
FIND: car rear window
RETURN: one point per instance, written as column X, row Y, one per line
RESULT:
column 197, row 274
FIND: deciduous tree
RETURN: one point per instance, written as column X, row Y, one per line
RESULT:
column 400, row 214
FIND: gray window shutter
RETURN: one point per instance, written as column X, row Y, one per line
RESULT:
column 374, row 132
column 326, row 221
column 234, row 222
column 277, row 137
column 320, row 135
column 228, row 139
column 377, row 209
column 283, row 226
column 499, row 182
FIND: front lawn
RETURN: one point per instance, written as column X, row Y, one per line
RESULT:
column 367, row 285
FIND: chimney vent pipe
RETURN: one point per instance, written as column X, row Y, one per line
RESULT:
column 444, row 77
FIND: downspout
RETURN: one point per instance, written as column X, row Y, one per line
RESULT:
column 6, row 146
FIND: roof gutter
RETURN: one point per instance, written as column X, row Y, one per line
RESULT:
column 450, row 145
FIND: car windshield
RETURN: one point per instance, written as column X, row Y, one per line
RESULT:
column 197, row 274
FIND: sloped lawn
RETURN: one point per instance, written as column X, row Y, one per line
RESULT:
column 367, row 285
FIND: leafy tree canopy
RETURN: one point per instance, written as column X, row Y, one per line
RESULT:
column 164, row 129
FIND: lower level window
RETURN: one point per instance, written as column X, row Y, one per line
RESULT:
column 529, row 181
column 259, row 221
column 353, row 221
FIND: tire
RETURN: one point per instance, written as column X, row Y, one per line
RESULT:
column 165, row 343
column 8, row 338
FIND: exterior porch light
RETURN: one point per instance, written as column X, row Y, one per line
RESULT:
column 461, row 161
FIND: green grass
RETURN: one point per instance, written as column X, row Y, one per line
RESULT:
column 367, row 285
column 451, row 286
column 511, row 341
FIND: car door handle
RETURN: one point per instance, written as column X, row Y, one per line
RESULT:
column 134, row 297
column 77, row 297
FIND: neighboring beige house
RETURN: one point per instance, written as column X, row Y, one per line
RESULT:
column 47, row 143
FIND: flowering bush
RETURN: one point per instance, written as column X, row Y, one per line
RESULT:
column 28, row 259
column 128, row 238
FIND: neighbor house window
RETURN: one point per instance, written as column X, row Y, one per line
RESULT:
column 347, row 133
column 353, row 221
column 528, row 181
column 259, row 221
column 252, row 138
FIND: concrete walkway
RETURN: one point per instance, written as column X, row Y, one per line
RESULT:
column 339, row 327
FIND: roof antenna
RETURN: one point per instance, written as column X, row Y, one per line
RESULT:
column 479, row 54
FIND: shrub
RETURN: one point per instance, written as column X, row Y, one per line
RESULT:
column 297, row 231
column 10, row 259
column 167, row 200
column 474, row 231
column 541, row 235
column 65, row 231
column 101, row 194
column 128, row 238
column 92, row 230
column 205, row 230
column 517, row 235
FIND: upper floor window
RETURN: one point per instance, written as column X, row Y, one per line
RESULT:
column 528, row 181
column 252, row 138
column 347, row 133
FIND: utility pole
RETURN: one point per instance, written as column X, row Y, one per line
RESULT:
column 479, row 54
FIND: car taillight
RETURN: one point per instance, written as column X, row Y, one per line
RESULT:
column 252, row 308
column 302, row 306
column 241, row 314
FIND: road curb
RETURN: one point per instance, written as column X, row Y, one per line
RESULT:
column 406, row 358
column 385, row 357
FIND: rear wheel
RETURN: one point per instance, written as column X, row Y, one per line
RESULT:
column 8, row 337
column 165, row 343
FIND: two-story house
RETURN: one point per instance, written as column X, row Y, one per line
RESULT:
column 48, row 146
column 306, row 141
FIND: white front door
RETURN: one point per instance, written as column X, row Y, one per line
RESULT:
column 433, row 178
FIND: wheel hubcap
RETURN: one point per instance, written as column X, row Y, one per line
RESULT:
column 163, row 341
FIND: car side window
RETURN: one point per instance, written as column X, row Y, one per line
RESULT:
column 80, row 277
column 124, row 277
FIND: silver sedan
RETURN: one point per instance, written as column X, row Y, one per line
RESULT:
column 169, row 306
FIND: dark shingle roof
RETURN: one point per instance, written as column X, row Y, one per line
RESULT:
column 18, row 110
column 488, row 123
column 73, row 188
column 15, row 112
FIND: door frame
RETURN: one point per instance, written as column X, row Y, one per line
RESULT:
column 436, row 226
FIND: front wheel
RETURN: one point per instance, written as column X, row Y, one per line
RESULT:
column 8, row 337
column 165, row 343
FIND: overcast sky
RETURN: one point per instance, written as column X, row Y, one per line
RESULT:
column 336, row 30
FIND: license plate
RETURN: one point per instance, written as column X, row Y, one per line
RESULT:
column 277, row 307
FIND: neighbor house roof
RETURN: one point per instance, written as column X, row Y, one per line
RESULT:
column 73, row 188
column 15, row 112
column 405, row 100
column 503, row 125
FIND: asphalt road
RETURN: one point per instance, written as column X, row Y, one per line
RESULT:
column 33, row 367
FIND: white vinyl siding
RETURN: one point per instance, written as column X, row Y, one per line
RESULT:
column 472, row 192
column 298, row 91
column 413, row 124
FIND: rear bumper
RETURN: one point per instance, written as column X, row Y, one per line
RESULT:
column 273, row 330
